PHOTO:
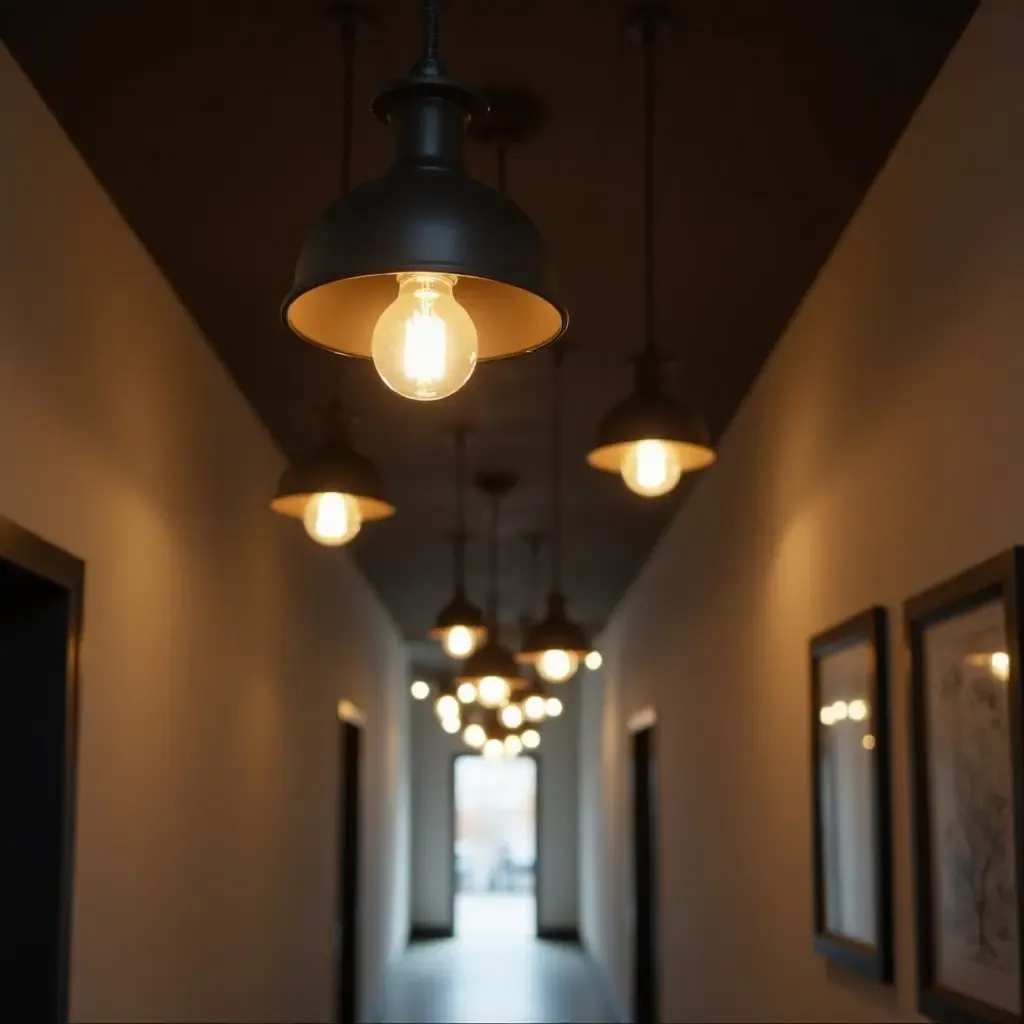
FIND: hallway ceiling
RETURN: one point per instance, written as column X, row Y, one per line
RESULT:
column 215, row 128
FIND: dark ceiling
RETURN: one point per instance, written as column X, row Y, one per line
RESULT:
column 215, row 128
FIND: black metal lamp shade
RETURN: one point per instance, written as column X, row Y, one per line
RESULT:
column 492, row 659
column 459, row 611
column 332, row 466
column 555, row 632
column 648, row 414
column 425, row 214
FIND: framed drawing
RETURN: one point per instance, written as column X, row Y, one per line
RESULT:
column 850, row 786
column 965, row 643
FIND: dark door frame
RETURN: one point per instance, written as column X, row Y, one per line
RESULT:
column 347, row 943
column 643, row 778
column 35, row 555
column 537, row 862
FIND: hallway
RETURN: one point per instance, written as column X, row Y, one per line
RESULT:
column 494, row 979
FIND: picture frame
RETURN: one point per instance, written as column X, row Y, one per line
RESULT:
column 852, row 858
column 964, row 639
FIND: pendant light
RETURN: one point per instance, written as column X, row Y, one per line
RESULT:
column 332, row 488
column 446, row 705
column 556, row 643
column 492, row 668
column 460, row 624
column 650, row 438
column 425, row 270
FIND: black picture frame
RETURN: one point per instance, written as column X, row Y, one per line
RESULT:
column 875, row 960
column 998, row 578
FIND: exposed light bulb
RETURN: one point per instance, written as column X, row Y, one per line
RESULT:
column 425, row 344
column 531, row 739
column 512, row 716
column 857, row 710
column 651, row 468
column 513, row 745
column 840, row 709
column 493, row 748
column 447, row 707
column 466, row 693
column 535, row 708
column 492, row 691
column 553, row 707
column 474, row 735
column 451, row 725
column 332, row 519
column 593, row 661
column 826, row 715
column 868, row 742
column 459, row 642
column 420, row 690
column 558, row 666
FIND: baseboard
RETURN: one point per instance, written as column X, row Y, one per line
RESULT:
column 427, row 932
column 559, row 933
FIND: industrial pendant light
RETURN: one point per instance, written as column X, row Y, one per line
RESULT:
column 650, row 438
column 556, row 643
column 425, row 270
column 332, row 488
column 492, row 668
column 460, row 624
column 485, row 732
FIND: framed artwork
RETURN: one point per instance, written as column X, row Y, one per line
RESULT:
column 965, row 642
column 850, row 787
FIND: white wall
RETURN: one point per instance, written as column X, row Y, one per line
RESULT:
column 432, row 753
column 217, row 640
column 877, row 454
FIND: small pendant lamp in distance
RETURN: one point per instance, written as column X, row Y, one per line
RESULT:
column 331, row 487
column 460, row 625
column 650, row 439
column 425, row 270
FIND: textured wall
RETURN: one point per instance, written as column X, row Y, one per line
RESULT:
column 217, row 640
column 878, row 453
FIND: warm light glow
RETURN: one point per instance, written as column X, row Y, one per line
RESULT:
column 593, row 661
column 447, row 707
column 492, row 691
column 553, row 707
column 424, row 344
column 868, row 742
column 493, row 748
column 420, row 690
column 1000, row 665
column 558, row 666
column 531, row 739
column 459, row 642
column 840, row 710
column 466, row 693
column 332, row 519
column 826, row 716
column 651, row 468
column 451, row 725
column 512, row 716
column 513, row 745
column 857, row 710
column 474, row 735
column 535, row 708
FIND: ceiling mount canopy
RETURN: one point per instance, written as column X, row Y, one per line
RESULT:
column 425, row 232
column 651, row 439
column 555, row 644
column 460, row 625
column 331, row 487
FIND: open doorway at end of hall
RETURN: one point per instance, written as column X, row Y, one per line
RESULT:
column 494, row 845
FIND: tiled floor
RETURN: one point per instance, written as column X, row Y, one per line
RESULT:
column 497, row 980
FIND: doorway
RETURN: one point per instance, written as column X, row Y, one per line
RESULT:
column 347, row 930
column 643, row 793
column 40, row 622
column 494, row 846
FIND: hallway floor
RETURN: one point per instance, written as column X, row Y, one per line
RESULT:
column 496, row 979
